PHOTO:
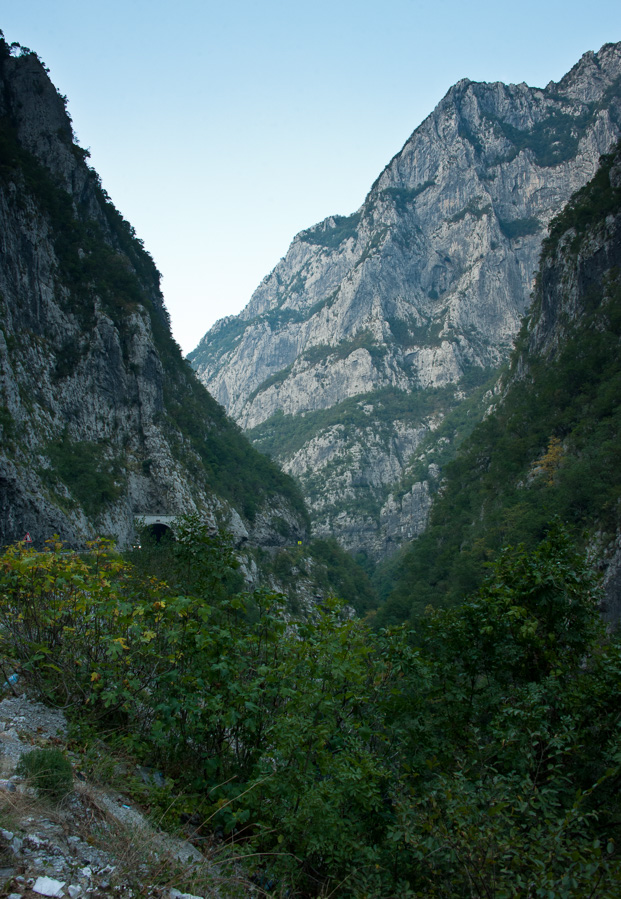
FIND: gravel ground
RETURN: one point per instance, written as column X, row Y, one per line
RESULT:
column 95, row 843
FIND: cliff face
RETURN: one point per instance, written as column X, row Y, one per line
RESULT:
column 579, row 295
column 548, row 447
column 579, row 268
column 375, row 326
column 101, row 418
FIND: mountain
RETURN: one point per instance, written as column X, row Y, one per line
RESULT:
column 361, row 360
column 102, row 420
column 548, row 449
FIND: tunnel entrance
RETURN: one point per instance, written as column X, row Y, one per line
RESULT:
column 157, row 527
column 159, row 530
column 162, row 527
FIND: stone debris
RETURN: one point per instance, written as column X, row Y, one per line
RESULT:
column 24, row 724
column 55, row 852
column 175, row 894
column 47, row 886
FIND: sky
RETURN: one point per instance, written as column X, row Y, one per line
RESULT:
column 222, row 128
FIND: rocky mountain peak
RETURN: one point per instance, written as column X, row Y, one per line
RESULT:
column 592, row 75
column 38, row 113
column 410, row 299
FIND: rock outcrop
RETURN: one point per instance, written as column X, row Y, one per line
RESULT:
column 375, row 325
column 579, row 289
column 101, row 418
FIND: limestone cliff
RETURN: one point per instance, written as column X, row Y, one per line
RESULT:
column 375, row 326
column 101, row 418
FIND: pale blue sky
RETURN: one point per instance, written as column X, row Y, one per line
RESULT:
column 220, row 130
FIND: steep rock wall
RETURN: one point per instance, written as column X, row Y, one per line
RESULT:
column 547, row 451
column 409, row 297
column 101, row 418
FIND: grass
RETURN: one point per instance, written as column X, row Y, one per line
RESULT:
column 143, row 857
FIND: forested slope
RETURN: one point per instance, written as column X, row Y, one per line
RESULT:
column 549, row 446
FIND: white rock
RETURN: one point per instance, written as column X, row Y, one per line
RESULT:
column 47, row 886
column 428, row 279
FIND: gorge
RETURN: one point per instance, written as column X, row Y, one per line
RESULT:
column 361, row 361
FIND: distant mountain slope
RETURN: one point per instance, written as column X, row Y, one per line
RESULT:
column 551, row 446
column 101, row 418
column 376, row 326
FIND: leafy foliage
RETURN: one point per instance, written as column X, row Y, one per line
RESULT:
column 479, row 756
column 344, row 578
column 190, row 559
column 328, row 568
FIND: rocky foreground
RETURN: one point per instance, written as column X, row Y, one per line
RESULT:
column 96, row 842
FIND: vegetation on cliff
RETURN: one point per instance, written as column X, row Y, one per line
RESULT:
column 550, row 447
column 100, row 271
column 476, row 753
column 430, row 278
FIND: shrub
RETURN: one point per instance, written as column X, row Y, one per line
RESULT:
column 49, row 772
column 484, row 762
column 93, row 475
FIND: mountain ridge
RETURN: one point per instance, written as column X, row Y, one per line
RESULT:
column 415, row 293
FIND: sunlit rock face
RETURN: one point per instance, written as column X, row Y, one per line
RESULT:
column 372, row 329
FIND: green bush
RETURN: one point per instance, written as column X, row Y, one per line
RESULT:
column 478, row 756
column 48, row 771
